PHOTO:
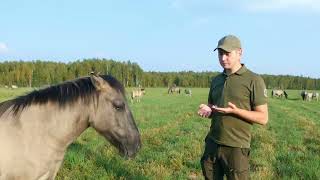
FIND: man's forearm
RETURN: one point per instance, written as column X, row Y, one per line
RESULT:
column 253, row 116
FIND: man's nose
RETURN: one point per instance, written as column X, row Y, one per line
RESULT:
column 224, row 57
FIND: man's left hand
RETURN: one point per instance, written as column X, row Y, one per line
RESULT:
column 228, row 110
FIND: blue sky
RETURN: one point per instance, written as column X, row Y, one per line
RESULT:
column 278, row 36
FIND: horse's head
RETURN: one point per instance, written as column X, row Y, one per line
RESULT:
column 285, row 94
column 112, row 117
column 303, row 95
column 143, row 90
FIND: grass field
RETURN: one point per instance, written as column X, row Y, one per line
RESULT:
column 172, row 137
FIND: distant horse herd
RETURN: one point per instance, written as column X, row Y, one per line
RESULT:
column 175, row 89
column 306, row 96
column 11, row 87
column 137, row 93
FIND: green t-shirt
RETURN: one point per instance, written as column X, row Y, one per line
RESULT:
column 246, row 90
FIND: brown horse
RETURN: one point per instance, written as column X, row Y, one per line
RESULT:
column 37, row 128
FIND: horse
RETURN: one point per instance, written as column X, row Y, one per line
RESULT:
column 308, row 96
column 37, row 128
column 188, row 92
column 304, row 95
column 173, row 89
column 279, row 93
column 315, row 95
column 137, row 94
column 14, row 86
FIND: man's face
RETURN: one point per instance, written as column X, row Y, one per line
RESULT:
column 229, row 59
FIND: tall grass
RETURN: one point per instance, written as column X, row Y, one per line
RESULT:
column 288, row 147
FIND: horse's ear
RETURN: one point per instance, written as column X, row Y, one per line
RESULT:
column 94, row 73
column 99, row 83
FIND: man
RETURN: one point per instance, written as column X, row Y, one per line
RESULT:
column 237, row 99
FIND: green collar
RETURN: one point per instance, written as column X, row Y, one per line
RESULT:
column 242, row 70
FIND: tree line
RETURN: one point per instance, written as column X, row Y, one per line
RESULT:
column 43, row 73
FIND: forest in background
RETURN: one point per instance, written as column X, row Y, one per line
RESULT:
column 40, row 73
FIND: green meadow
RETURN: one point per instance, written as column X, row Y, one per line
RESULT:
column 172, row 134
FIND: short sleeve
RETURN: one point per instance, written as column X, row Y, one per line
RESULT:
column 210, row 100
column 259, row 92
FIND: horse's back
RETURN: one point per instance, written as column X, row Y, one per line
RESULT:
column 309, row 96
column 277, row 92
column 174, row 89
column 136, row 93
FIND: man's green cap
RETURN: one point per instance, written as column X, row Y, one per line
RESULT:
column 229, row 43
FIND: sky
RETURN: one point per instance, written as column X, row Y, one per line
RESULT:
column 279, row 37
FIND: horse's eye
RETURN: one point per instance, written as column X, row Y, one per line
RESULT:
column 118, row 104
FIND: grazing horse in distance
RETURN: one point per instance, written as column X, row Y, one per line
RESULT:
column 188, row 92
column 315, row 95
column 308, row 96
column 173, row 89
column 304, row 95
column 137, row 94
column 279, row 93
column 36, row 129
column 14, row 86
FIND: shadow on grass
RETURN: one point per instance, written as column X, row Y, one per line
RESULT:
column 112, row 165
column 118, row 169
column 294, row 99
column 312, row 144
column 289, row 98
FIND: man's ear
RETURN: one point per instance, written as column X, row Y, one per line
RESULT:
column 240, row 52
column 99, row 83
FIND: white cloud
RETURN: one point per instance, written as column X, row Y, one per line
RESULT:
column 279, row 5
column 3, row 48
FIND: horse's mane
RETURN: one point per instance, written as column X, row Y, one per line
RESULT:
column 64, row 93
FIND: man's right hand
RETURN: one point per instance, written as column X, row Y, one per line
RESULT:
column 204, row 110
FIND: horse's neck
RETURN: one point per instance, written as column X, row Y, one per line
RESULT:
column 38, row 138
column 54, row 126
